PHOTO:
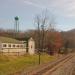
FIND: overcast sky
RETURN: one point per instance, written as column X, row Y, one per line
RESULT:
column 62, row 10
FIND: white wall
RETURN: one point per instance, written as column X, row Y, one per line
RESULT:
column 7, row 49
column 12, row 49
column 31, row 46
column 24, row 46
column 13, row 52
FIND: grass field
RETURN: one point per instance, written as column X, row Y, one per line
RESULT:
column 9, row 65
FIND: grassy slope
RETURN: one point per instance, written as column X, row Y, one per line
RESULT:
column 8, row 40
column 10, row 65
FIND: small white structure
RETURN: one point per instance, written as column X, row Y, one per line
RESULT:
column 13, row 46
column 31, row 46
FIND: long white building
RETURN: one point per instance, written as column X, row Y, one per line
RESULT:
column 13, row 46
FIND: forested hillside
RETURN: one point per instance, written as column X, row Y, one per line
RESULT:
column 52, row 39
column 69, row 36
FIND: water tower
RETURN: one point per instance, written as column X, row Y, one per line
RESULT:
column 16, row 24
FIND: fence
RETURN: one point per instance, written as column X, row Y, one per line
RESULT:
column 14, row 52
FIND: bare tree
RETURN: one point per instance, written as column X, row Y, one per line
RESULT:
column 42, row 21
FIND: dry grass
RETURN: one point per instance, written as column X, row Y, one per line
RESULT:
column 11, row 64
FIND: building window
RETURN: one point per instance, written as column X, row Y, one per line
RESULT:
column 31, row 46
column 4, row 45
column 13, row 45
column 9, row 45
column 17, row 45
column 24, row 45
column 21, row 46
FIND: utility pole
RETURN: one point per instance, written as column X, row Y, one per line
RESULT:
column 42, row 27
column 39, row 42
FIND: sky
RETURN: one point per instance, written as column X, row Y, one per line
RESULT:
column 62, row 10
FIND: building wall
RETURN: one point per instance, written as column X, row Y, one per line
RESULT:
column 12, row 45
column 18, row 48
column 14, row 50
column 31, row 46
column 11, row 48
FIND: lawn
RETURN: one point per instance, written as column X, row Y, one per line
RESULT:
column 9, row 64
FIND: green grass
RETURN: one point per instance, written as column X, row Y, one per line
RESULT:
column 9, row 65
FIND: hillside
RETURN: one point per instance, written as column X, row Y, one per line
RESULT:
column 69, row 36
